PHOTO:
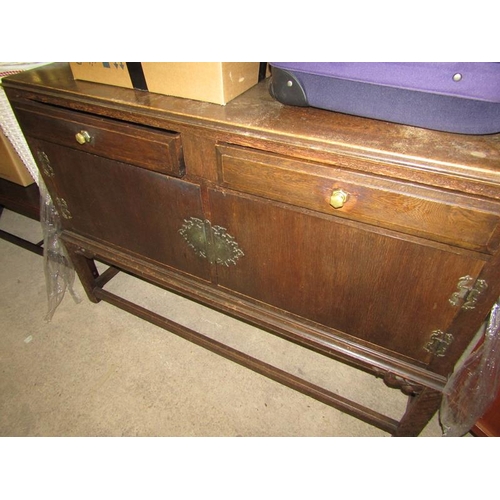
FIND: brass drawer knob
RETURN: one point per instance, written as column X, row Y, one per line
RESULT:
column 338, row 198
column 82, row 137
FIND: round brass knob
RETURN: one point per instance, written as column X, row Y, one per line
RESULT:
column 82, row 137
column 338, row 198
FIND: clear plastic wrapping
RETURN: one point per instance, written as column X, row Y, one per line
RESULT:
column 59, row 272
column 474, row 384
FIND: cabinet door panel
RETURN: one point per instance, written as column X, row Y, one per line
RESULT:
column 136, row 209
column 381, row 289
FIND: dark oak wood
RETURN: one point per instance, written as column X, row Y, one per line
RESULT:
column 340, row 275
column 230, row 206
column 141, row 146
column 422, row 211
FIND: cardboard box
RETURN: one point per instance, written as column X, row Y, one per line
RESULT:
column 12, row 167
column 216, row 82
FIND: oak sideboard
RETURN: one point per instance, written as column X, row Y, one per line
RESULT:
column 371, row 243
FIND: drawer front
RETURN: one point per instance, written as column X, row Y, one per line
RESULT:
column 134, row 144
column 421, row 211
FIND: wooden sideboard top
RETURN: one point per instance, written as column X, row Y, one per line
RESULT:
column 258, row 114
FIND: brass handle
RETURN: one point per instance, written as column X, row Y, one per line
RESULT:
column 338, row 198
column 82, row 137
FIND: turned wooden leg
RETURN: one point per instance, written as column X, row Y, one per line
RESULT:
column 419, row 411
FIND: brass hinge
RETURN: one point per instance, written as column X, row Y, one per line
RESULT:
column 439, row 343
column 210, row 242
column 44, row 163
column 63, row 208
column 467, row 292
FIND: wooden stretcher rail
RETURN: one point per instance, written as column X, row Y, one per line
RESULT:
column 20, row 242
column 334, row 400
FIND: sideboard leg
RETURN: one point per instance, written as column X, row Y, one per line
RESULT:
column 419, row 411
column 85, row 269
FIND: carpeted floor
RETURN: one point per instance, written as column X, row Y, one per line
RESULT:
column 95, row 370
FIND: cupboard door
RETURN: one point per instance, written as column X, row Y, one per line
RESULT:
column 135, row 209
column 379, row 288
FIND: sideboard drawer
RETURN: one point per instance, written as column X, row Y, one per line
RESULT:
column 134, row 144
column 439, row 215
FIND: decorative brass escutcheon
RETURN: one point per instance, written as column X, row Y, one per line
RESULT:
column 82, row 137
column 338, row 198
column 210, row 242
column 194, row 232
column 225, row 249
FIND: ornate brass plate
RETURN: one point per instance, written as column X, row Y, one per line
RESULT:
column 210, row 242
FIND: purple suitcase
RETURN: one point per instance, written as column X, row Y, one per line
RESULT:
column 453, row 97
